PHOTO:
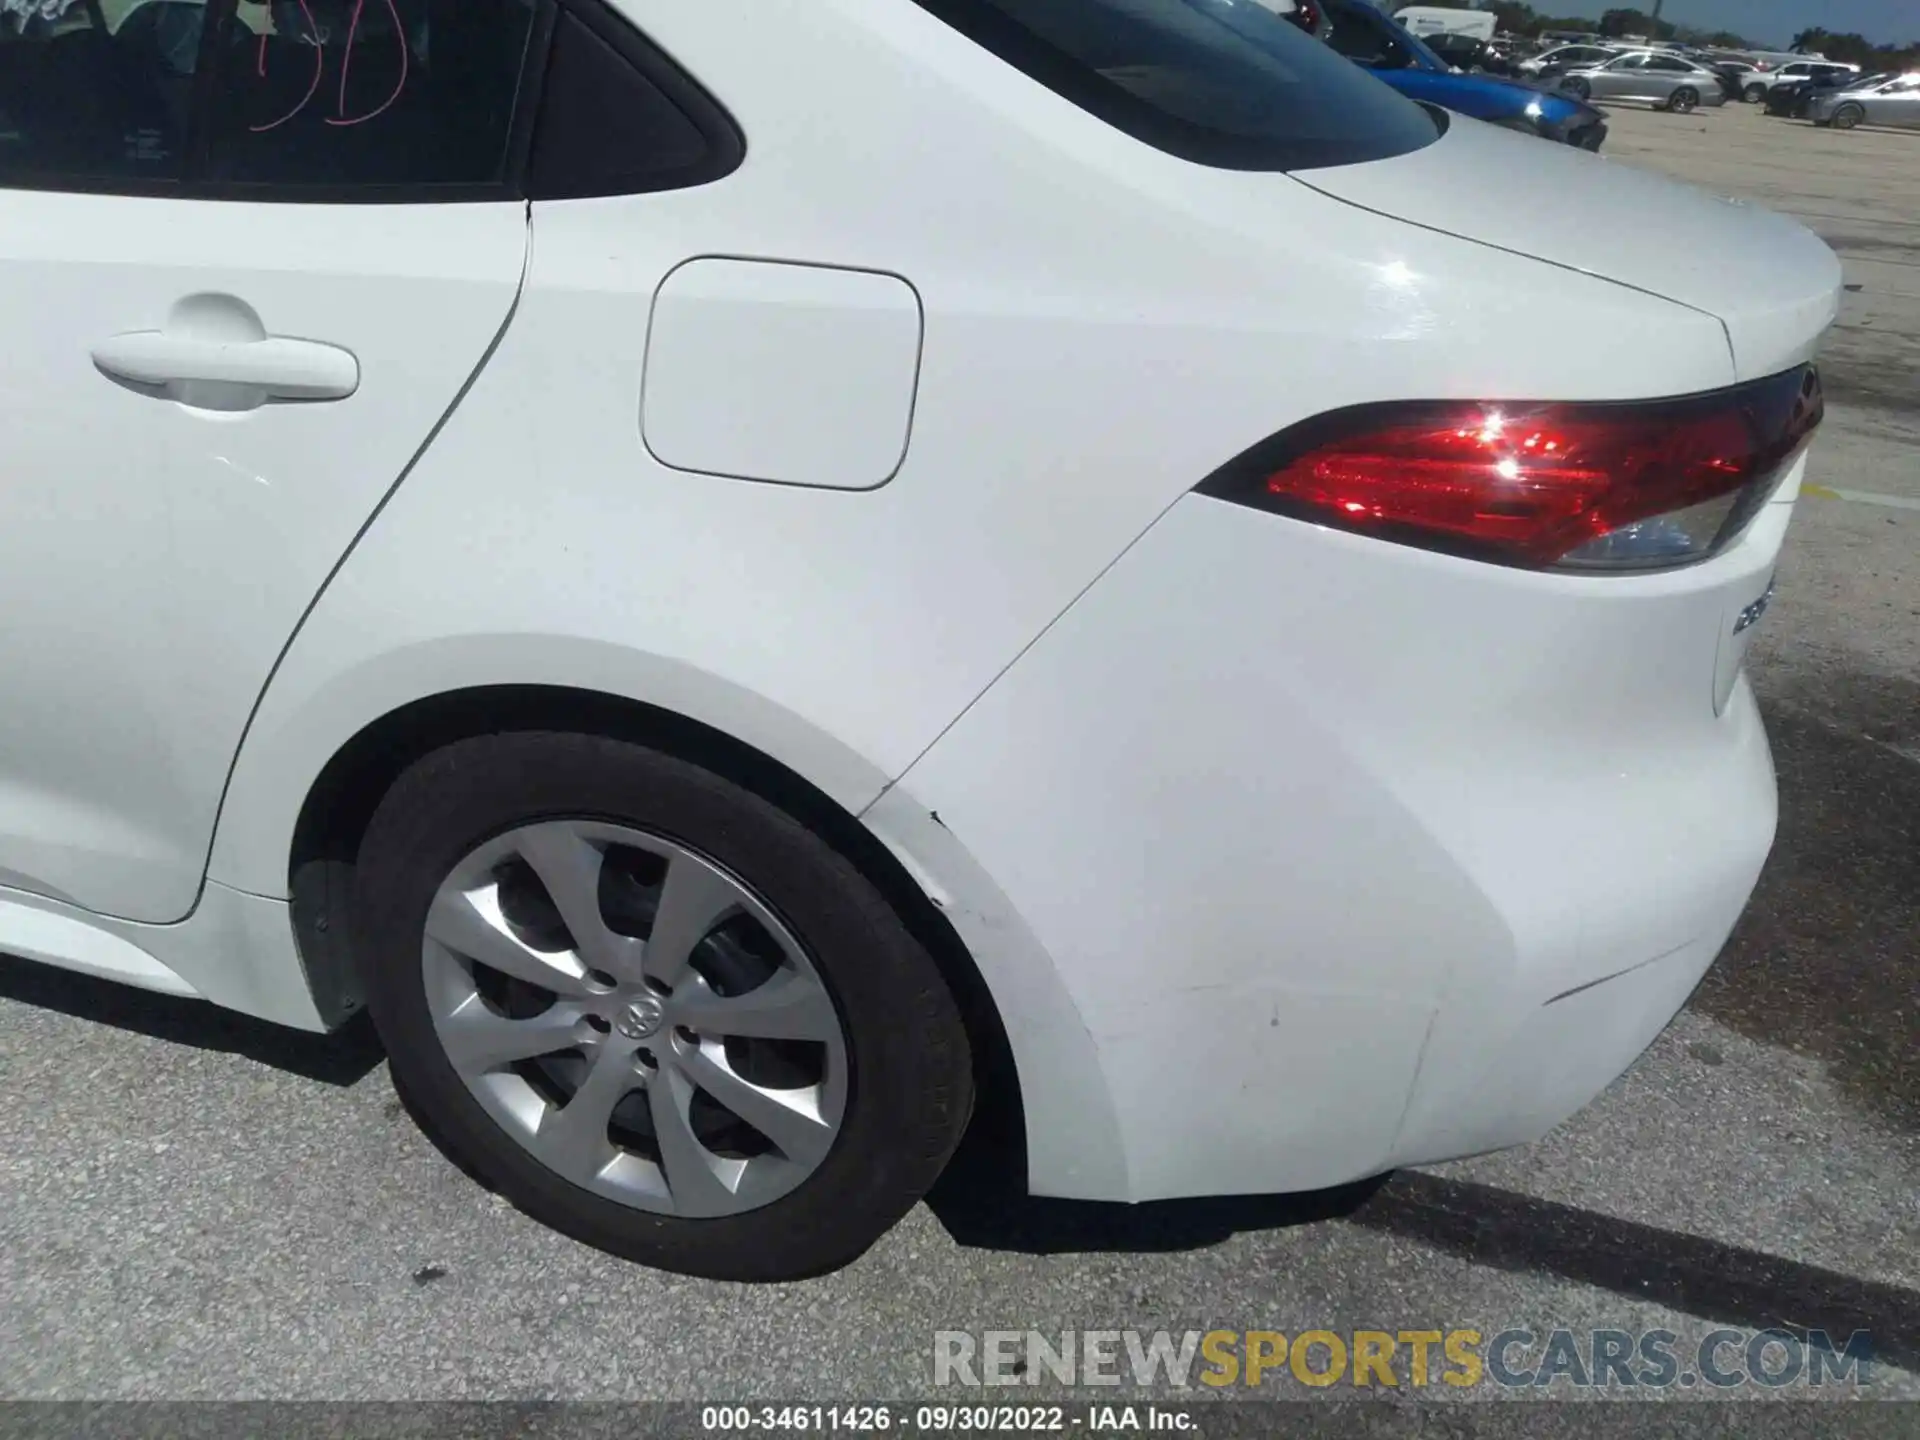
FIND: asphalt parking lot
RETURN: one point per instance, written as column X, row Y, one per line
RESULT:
column 195, row 1206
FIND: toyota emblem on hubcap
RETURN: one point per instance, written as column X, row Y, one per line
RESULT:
column 640, row 1019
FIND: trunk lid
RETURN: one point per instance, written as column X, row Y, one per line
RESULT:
column 1769, row 280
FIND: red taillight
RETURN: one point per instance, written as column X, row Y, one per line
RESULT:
column 1539, row 484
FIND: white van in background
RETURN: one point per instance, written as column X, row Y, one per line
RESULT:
column 1435, row 20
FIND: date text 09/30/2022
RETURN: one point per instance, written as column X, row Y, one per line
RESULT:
column 945, row 1419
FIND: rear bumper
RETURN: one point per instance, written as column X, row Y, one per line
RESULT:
column 1344, row 855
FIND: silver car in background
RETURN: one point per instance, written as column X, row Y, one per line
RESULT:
column 1658, row 77
column 1568, row 57
column 1894, row 101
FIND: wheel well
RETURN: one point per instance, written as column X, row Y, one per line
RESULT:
column 340, row 805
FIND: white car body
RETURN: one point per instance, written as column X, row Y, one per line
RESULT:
column 1764, row 80
column 1286, row 854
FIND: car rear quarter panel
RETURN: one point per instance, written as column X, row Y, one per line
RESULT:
column 1104, row 326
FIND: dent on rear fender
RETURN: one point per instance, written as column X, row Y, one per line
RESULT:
column 1074, row 1144
column 1252, row 925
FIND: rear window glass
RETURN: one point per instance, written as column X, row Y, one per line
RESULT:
column 1223, row 82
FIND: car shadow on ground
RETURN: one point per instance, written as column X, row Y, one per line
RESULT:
column 1485, row 1225
column 342, row 1058
column 983, row 1208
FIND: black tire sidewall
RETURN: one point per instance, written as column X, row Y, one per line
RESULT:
column 910, row 1089
column 1848, row 116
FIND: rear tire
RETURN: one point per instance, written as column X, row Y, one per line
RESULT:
column 1576, row 86
column 1756, row 94
column 885, row 1096
column 1683, row 100
column 1847, row 116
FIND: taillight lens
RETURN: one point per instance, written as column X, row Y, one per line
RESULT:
column 1575, row 486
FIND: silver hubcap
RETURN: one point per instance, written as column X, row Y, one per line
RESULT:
column 635, row 1017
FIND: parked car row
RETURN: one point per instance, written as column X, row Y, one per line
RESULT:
column 1729, row 74
column 1551, row 94
column 1826, row 92
column 1877, row 100
column 1666, row 78
column 1842, row 97
column 1409, row 64
column 1792, row 98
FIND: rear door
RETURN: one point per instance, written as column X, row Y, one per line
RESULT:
column 249, row 257
column 1618, row 80
column 1665, row 74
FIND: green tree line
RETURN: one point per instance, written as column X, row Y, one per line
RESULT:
column 1858, row 50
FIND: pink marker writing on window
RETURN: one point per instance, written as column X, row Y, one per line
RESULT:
column 346, row 62
column 318, row 43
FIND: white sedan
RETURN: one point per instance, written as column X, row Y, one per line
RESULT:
column 756, row 578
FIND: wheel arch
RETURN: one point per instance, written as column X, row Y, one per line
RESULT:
column 340, row 802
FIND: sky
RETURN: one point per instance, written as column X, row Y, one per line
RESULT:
column 1778, row 21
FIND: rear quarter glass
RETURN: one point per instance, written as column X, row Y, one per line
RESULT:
column 1232, row 85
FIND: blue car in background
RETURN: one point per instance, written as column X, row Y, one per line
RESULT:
column 1373, row 40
